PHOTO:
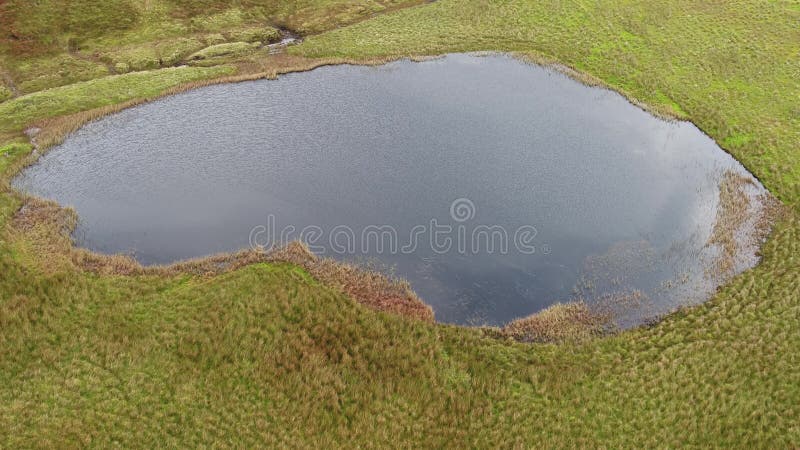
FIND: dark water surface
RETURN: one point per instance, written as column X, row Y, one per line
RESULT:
column 605, row 198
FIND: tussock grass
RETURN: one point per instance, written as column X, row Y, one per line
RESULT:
column 261, row 34
column 573, row 322
column 266, row 355
column 39, row 73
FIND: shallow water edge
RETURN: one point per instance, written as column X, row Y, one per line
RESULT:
column 45, row 132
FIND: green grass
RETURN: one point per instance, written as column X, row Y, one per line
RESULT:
column 55, row 71
column 15, row 113
column 11, row 152
column 224, row 50
column 50, row 43
column 165, row 53
column 267, row 356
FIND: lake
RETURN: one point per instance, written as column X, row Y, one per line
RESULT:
column 495, row 187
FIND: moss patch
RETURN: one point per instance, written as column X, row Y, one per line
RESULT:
column 147, row 57
column 231, row 49
column 255, row 34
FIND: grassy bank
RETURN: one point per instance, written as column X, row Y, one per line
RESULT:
column 267, row 355
column 51, row 43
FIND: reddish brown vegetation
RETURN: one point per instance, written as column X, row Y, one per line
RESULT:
column 47, row 226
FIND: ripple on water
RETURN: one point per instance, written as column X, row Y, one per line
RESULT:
column 620, row 206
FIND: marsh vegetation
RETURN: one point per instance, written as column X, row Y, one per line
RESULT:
column 265, row 354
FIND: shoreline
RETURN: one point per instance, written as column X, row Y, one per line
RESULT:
column 267, row 356
column 375, row 290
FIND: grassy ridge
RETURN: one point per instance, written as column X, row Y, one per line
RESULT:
column 265, row 355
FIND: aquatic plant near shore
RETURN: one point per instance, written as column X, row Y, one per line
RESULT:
column 743, row 221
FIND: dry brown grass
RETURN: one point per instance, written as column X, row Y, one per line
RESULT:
column 743, row 222
column 562, row 322
column 368, row 287
column 45, row 227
